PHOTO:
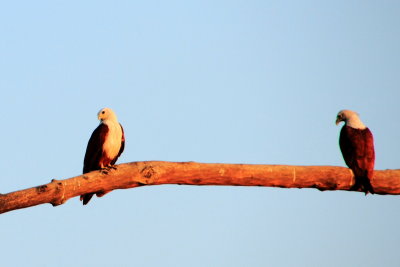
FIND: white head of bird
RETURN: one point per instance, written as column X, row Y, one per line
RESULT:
column 107, row 114
column 350, row 118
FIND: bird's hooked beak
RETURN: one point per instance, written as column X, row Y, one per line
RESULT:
column 338, row 120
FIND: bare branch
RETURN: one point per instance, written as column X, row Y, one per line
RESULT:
column 136, row 174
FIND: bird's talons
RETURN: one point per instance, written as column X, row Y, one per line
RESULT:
column 104, row 170
column 108, row 168
column 114, row 167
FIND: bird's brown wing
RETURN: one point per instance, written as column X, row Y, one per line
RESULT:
column 93, row 155
column 357, row 148
column 94, row 149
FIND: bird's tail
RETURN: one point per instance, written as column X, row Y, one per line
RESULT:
column 363, row 184
column 86, row 198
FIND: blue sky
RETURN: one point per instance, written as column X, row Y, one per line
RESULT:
column 208, row 81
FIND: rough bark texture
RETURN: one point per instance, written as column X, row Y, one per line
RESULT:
column 136, row 174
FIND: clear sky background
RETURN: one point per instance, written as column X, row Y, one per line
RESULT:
column 208, row 81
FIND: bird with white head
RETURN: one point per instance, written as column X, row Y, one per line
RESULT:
column 105, row 145
column 357, row 145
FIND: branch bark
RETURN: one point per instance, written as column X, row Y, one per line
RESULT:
column 137, row 174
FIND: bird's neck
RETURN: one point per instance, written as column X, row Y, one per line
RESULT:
column 110, row 122
column 356, row 123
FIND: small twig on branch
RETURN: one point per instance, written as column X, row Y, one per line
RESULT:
column 136, row 174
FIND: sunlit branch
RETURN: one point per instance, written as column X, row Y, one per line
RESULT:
column 136, row 174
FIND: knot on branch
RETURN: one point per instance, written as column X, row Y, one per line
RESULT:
column 59, row 192
column 148, row 173
column 41, row 189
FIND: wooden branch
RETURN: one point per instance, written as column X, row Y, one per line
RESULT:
column 136, row 174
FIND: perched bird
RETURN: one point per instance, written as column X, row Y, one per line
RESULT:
column 357, row 146
column 104, row 147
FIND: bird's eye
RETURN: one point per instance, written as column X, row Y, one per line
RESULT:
column 103, row 112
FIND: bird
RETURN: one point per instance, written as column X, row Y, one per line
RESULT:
column 104, row 147
column 357, row 145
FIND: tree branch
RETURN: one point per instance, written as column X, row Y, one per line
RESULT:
column 136, row 174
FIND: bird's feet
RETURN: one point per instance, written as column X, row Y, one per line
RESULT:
column 104, row 170
column 114, row 167
column 108, row 168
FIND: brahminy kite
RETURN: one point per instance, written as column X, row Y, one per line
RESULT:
column 357, row 145
column 104, row 147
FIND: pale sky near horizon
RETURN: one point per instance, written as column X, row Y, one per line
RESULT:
column 208, row 81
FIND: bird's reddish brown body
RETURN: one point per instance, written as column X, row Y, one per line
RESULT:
column 357, row 146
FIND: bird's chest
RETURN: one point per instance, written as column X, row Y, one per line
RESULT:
column 112, row 143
